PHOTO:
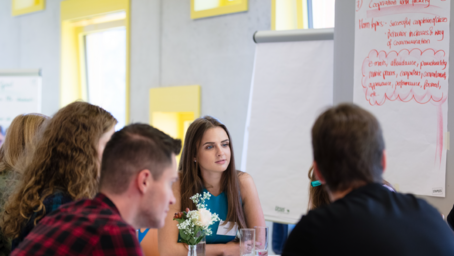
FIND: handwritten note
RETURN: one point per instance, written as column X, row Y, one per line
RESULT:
column 19, row 95
column 401, row 75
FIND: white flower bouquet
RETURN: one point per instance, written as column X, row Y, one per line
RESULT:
column 194, row 225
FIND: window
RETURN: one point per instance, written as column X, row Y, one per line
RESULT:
column 105, row 59
column 95, row 55
column 323, row 13
column 208, row 8
column 302, row 14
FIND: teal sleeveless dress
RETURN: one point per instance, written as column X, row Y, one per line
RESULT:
column 219, row 205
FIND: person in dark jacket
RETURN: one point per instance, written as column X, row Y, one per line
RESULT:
column 364, row 217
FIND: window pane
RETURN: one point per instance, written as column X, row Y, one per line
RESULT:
column 323, row 13
column 106, row 71
column 21, row 4
column 202, row 5
column 286, row 15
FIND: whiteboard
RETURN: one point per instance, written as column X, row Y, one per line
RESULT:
column 292, row 84
column 19, row 95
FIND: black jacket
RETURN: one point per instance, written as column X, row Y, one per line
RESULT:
column 372, row 220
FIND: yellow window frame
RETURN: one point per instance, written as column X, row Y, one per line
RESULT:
column 301, row 14
column 225, row 7
column 38, row 5
column 72, row 66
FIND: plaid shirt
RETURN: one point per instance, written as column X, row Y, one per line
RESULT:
column 85, row 227
column 51, row 203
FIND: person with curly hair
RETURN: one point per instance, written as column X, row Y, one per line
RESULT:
column 64, row 167
column 18, row 142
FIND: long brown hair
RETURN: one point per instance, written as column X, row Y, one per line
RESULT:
column 191, row 178
column 317, row 195
column 19, row 139
column 65, row 158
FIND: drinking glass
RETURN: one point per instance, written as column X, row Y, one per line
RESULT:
column 247, row 241
column 261, row 241
column 201, row 247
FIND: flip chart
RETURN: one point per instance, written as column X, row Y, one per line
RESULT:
column 401, row 76
column 292, row 84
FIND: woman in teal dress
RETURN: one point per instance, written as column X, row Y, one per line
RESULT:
column 207, row 164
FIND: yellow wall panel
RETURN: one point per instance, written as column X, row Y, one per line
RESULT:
column 175, row 99
column 76, row 9
column 172, row 109
column 20, row 7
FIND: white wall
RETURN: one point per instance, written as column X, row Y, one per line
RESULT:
column 216, row 53
column 32, row 41
column 167, row 49
column 145, row 55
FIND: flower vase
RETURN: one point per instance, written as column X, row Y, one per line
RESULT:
column 192, row 250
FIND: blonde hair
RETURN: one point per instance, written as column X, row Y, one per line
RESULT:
column 19, row 139
column 18, row 144
column 65, row 159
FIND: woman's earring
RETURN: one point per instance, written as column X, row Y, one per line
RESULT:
column 195, row 161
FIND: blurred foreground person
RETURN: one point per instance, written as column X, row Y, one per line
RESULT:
column 18, row 143
column 364, row 218
column 138, row 170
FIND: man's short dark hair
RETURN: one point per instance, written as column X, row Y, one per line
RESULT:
column 348, row 146
column 134, row 148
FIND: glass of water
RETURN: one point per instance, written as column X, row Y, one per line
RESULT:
column 201, row 247
column 247, row 242
column 261, row 241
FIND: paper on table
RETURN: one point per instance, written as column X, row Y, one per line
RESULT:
column 401, row 75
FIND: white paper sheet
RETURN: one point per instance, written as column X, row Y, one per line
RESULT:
column 292, row 84
column 19, row 95
column 401, row 75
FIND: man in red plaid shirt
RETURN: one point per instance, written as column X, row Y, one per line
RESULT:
column 138, row 169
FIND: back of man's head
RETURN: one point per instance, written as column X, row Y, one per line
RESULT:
column 134, row 148
column 348, row 147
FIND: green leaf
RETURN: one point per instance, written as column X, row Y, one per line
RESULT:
column 199, row 239
column 183, row 235
column 197, row 229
